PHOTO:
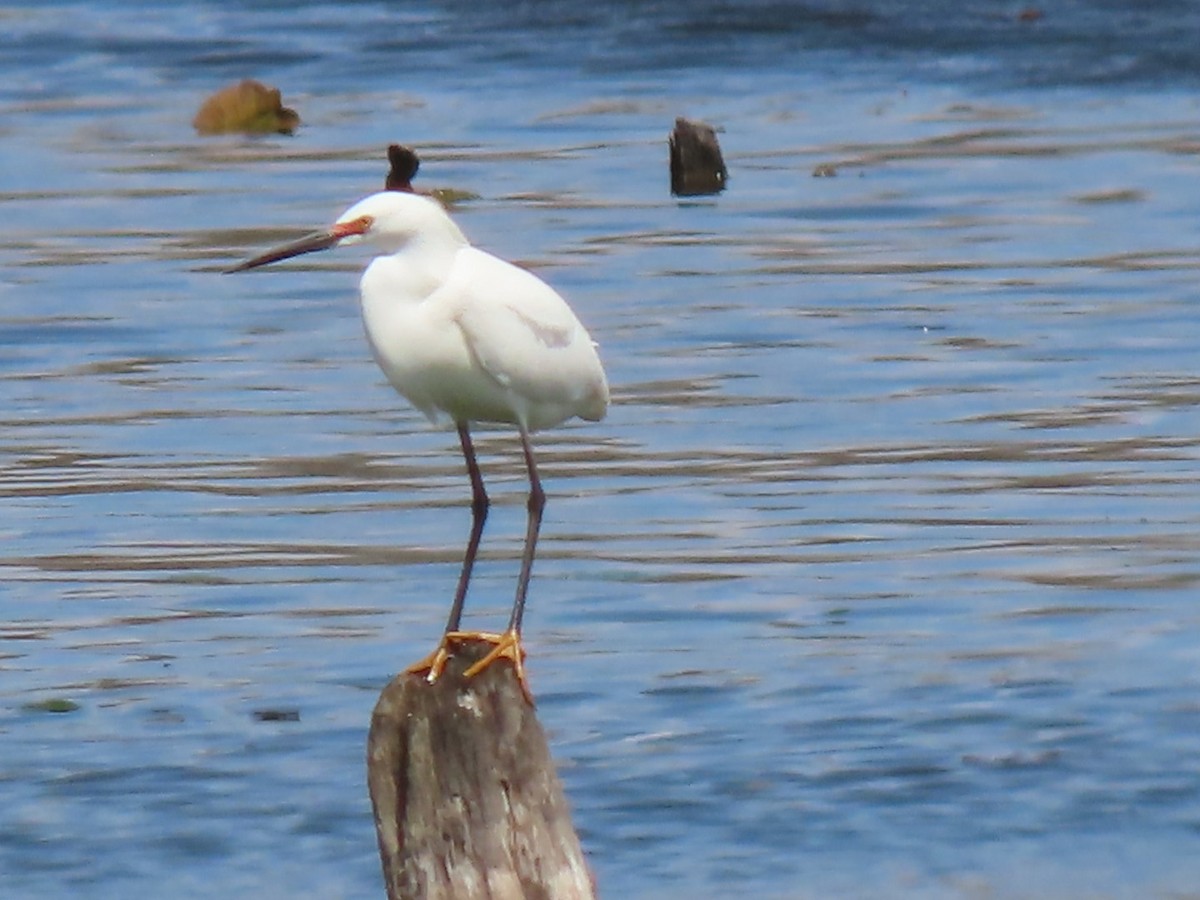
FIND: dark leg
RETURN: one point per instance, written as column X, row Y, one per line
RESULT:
column 479, row 511
column 508, row 644
column 537, row 502
column 432, row 665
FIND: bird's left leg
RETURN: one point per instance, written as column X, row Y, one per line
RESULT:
column 432, row 665
column 508, row 645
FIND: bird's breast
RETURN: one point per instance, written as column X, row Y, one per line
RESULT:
column 426, row 358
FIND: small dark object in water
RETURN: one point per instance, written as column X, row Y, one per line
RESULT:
column 696, row 163
column 1029, row 14
column 277, row 715
column 249, row 107
column 404, row 165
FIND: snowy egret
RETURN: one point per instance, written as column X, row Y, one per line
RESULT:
column 460, row 332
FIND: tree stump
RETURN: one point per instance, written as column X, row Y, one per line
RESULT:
column 402, row 168
column 697, row 166
column 467, row 803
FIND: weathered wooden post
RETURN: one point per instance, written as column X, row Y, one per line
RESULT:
column 467, row 803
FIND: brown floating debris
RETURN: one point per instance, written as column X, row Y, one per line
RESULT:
column 467, row 803
column 696, row 163
column 249, row 107
column 52, row 705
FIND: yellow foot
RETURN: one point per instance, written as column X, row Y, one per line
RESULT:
column 432, row 665
column 508, row 646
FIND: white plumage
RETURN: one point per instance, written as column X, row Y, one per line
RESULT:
column 461, row 332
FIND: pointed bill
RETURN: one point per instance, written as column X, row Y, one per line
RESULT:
column 310, row 243
column 319, row 240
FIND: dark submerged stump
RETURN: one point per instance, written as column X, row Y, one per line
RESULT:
column 467, row 802
column 696, row 163
column 403, row 164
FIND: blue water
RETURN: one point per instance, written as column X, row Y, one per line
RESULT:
column 879, row 579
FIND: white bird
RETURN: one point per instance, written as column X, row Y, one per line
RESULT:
column 460, row 332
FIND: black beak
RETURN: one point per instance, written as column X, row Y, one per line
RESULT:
column 318, row 240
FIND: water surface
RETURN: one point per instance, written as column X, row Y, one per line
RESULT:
column 879, row 578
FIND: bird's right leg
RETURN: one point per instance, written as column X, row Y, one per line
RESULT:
column 436, row 661
column 508, row 644
column 479, row 511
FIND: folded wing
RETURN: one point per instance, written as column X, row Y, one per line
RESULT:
column 525, row 336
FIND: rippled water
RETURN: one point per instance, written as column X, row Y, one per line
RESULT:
column 880, row 577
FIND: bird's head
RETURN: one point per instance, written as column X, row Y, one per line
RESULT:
column 389, row 220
